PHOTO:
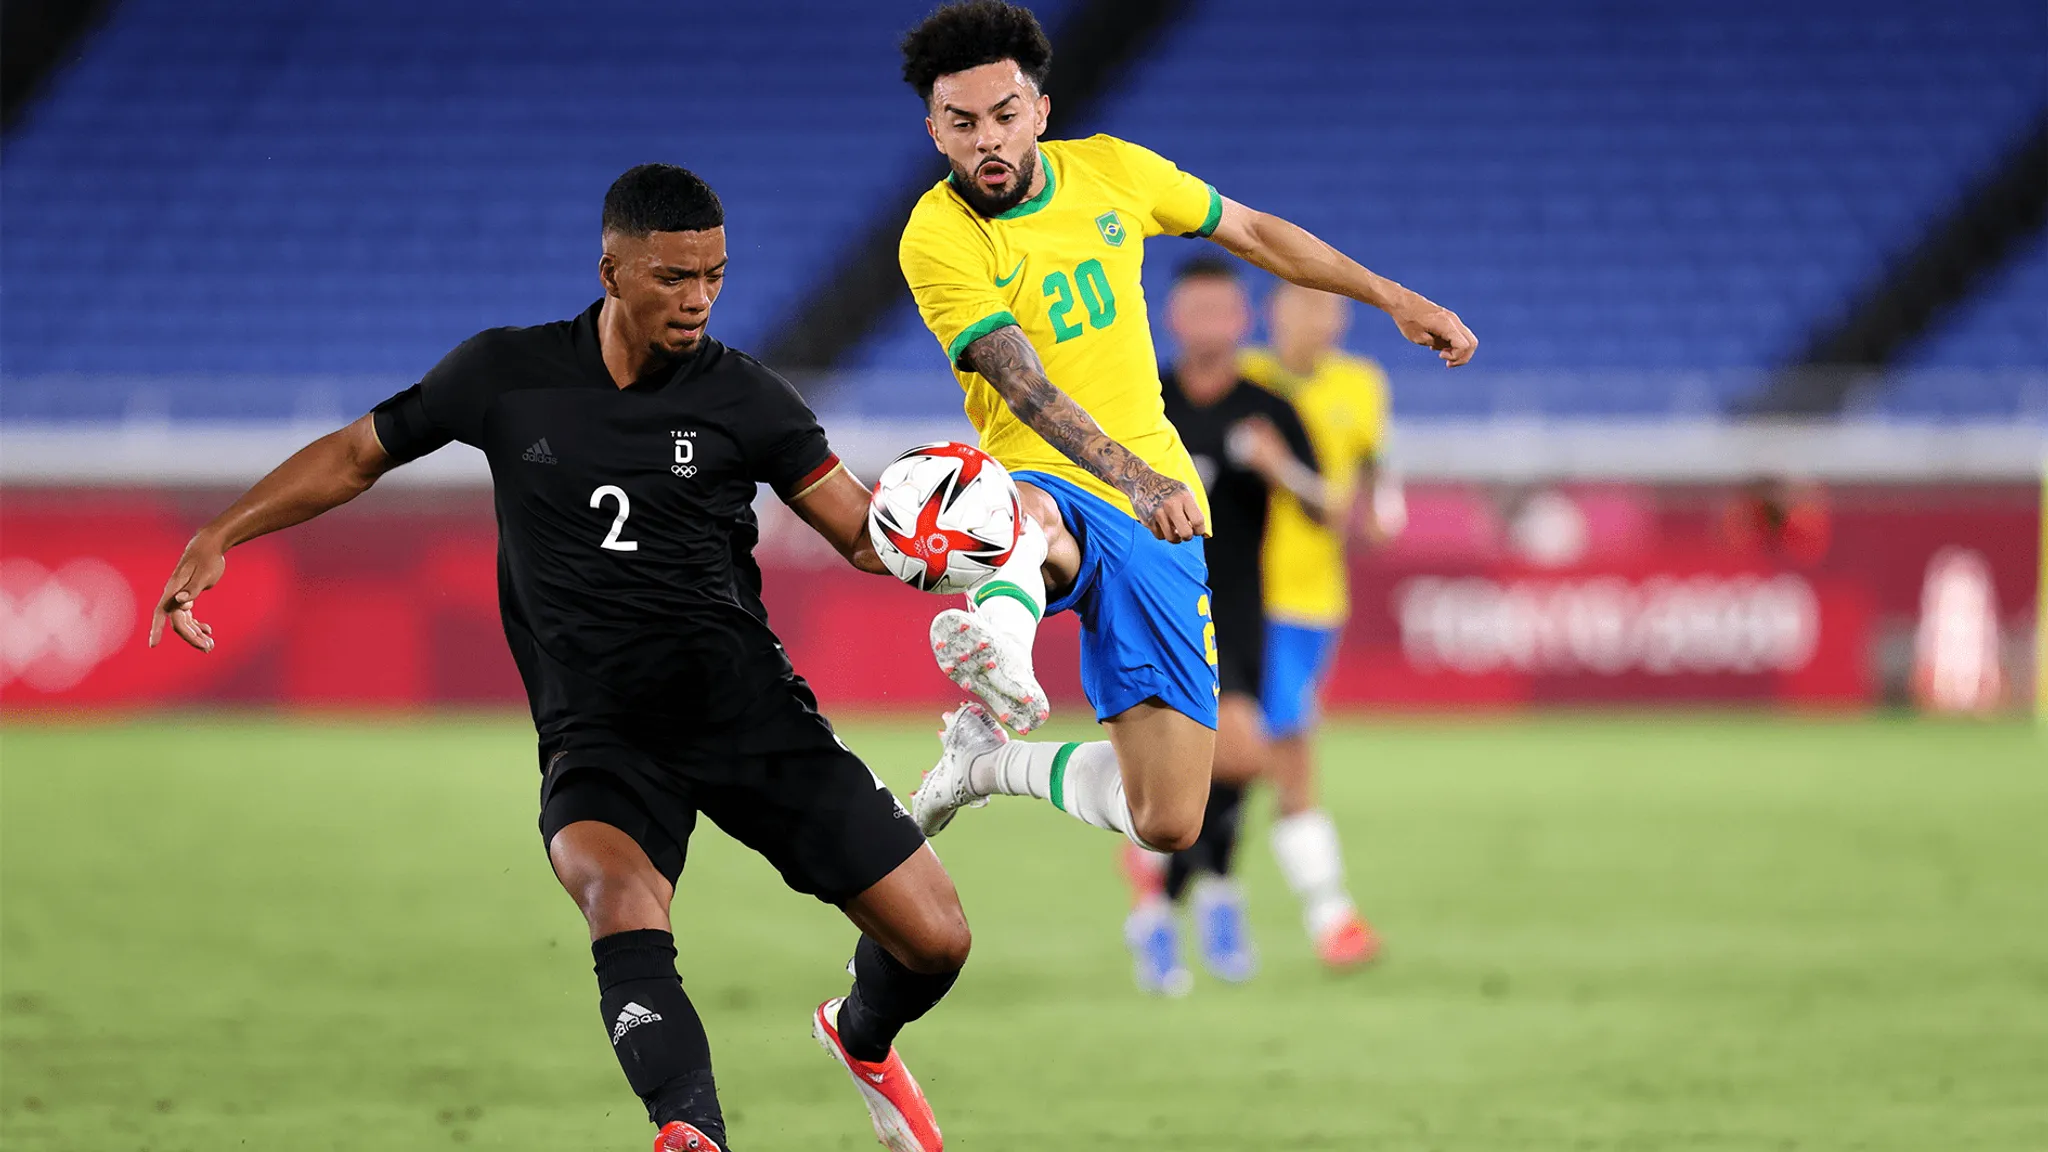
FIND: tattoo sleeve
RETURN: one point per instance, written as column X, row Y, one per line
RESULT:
column 1009, row 363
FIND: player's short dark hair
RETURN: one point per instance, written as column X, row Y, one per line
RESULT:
column 1205, row 267
column 970, row 33
column 661, row 198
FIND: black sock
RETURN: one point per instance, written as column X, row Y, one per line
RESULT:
column 655, row 1031
column 886, row 996
column 1215, row 850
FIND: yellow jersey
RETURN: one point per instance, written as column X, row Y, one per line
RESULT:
column 1063, row 266
column 1343, row 404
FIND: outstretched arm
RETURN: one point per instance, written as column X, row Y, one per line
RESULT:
column 1005, row 357
column 325, row 474
column 1292, row 253
column 836, row 508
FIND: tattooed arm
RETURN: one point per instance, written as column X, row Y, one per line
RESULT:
column 1005, row 357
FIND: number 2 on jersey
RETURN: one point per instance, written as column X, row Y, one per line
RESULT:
column 1096, row 297
column 611, row 538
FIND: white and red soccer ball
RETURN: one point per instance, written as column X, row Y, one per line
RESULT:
column 944, row 516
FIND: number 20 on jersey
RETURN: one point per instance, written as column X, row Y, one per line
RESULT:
column 1094, row 295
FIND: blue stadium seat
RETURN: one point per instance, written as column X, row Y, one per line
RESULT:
column 1988, row 358
column 232, row 188
column 2003, row 325
column 1595, row 187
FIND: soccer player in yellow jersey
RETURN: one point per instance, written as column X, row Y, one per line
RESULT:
column 1025, row 264
column 1342, row 401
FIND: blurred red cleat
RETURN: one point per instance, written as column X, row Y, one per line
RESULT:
column 1144, row 871
column 1349, row 943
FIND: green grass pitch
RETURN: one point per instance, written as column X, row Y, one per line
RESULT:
column 1668, row 932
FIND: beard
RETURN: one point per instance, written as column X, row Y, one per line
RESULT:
column 969, row 185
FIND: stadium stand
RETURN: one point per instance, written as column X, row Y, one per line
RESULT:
column 1691, row 192
column 1986, row 358
column 2003, row 326
column 222, row 192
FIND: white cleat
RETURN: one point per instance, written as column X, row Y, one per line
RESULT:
column 969, row 735
column 991, row 666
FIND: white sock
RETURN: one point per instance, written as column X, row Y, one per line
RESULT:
column 1082, row 780
column 1011, row 600
column 1305, row 844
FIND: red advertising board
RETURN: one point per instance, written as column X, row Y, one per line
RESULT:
column 1633, row 595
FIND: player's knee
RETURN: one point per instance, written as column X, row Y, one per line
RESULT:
column 941, row 946
column 614, row 893
column 1167, row 827
column 948, row 951
column 614, row 901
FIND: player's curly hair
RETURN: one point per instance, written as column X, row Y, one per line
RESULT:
column 661, row 198
column 970, row 33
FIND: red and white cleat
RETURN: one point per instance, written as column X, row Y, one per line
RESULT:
column 992, row 667
column 1349, row 943
column 903, row 1120
column 676, row 1136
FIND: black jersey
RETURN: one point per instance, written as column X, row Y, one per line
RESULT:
column 626, row 577
column 1237, row 495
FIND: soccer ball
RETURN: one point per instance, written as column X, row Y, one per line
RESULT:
column 943, row 517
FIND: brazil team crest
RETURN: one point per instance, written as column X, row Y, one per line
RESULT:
column 1112, row 229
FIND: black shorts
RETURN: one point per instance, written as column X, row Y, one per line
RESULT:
column 825, row 822
column 1240, row 643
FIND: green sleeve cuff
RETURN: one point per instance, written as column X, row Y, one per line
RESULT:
column 1210, row 221
column 976, row 331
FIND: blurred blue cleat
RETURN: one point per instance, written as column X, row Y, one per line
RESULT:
column 1154, row 941
column 1221, row 930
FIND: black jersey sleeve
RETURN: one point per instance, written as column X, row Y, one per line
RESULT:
column 786, row 448
column 447, row 404
column 1292, row 430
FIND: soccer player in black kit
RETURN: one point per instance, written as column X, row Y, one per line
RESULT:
column 1246, row 443
column 625, row 447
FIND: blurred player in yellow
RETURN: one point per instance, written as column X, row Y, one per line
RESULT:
column 1343, row 402
column 1025, row 265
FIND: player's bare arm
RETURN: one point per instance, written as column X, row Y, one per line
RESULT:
column 1258, row 445
column 836, row 507
column 1294, row 254
column 1009, row 363
column 325, row 474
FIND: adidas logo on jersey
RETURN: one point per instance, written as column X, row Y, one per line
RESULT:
column 540, row 453
column 630, row 1017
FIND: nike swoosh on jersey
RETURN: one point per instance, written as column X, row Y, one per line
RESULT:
column 1006, row 281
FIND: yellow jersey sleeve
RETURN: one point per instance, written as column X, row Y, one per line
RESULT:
column 1181, row 204
column 950, row 267
column 1374, row 398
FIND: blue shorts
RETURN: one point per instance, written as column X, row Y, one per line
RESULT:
column 1298, row 659
column 1144, row 608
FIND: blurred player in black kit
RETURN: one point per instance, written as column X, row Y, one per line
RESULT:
column 625, row 447
column 1247, row 443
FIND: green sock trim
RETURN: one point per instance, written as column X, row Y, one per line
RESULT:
column 995, row 588
column 1059, row 775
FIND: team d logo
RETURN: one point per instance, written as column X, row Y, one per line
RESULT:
column 1112, row 229
column 686, row 454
